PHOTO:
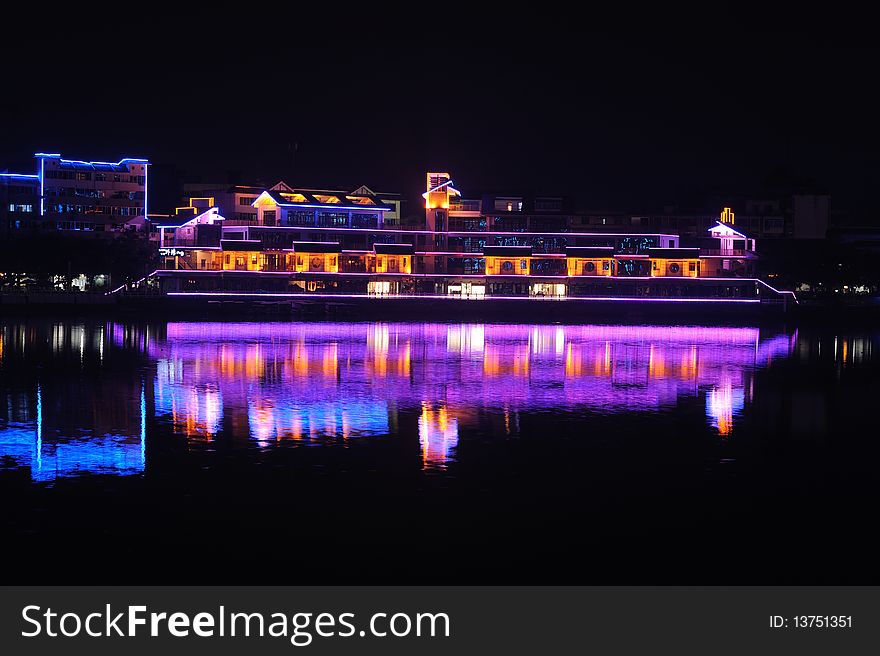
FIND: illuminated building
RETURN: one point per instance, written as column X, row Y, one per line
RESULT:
column 236, row 201
column 19, row 202
column 302, row 241
column 76, row 195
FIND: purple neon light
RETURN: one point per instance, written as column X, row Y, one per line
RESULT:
column 306, row 296
column 665, row 280
column 468, row 234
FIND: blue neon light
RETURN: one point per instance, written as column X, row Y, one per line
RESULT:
column 79, row 161
column 22, row 176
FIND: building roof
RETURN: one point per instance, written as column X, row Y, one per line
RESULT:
column 339, row 201
column 119, row 167
column 179, row 220
column 507, row 251
column 726, row 228
column 394, row 249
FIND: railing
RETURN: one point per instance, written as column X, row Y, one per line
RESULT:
column 726, row 252
column 240, row 222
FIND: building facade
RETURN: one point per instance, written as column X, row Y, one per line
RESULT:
column 76, row 196
column 236, row 201
column 19, row 202
column 304, row 241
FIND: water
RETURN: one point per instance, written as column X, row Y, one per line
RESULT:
column 410, row 453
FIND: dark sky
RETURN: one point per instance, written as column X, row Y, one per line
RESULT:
column 618, row 123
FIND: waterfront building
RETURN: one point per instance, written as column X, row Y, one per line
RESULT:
column 76, row 196
column 306, row 241
column 236, row 201
column 19, row 202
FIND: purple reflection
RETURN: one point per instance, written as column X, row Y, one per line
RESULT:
column 278, row 381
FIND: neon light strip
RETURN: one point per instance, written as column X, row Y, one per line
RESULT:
column 670, row 279
column 174, row 272
column 453, row 297
column 79, row 161
column 727, row 227
column 435, row 189
column 328, row 206
column 665, row 279
column 136, row 282
column 486, row 233
column 28, row 176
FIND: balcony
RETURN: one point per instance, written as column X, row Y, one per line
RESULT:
column 240, row 222
column 726, row 252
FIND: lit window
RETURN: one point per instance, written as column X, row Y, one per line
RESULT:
column 328, row 200
column 361, row 200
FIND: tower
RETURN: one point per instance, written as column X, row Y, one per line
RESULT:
column 438, row 191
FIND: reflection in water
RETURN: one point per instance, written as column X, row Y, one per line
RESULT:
column 275, row 382
column 291, row 383
column 50, row 453
column 438, row 434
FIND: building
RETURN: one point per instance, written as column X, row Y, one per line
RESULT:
column 19, row 202
column 236, row 201
column 76, row 196
column 306, row 242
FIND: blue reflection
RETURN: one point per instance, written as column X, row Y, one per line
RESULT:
column 59, row 455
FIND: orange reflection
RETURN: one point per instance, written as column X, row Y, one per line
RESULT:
column 498, row 363
column 438, row 434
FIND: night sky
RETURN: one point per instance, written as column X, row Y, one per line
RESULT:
column 614, row 123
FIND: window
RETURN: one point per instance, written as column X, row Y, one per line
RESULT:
column 548, row 204
column 246, row 200
column 60, row 175
column 327, row 200
column 508, row 204
column 332, row 219
column 692, row 266
column 227, row 258
column 269, row 217
column 300, row 217
column 100, row 177
column 253, row 259
column 82, row 175
column 365, row 220
column 523, row 264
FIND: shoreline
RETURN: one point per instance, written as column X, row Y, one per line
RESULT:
column 401, row 308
